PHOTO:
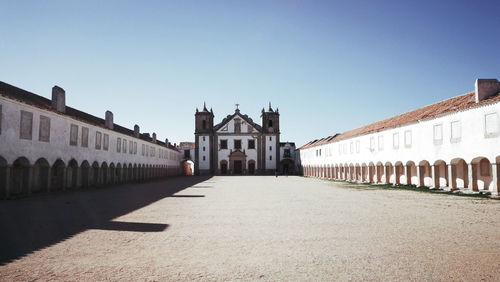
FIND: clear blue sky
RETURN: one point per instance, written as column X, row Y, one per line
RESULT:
column 328, row 65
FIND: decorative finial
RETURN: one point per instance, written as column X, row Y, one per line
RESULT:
column 205, row 107
column 270, row 109
column 237, row 106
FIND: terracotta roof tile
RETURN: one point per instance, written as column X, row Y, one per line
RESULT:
column 454, row 104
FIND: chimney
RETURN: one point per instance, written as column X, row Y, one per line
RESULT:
column 136, row 131
column 109, row 120
column 486, row 88
column 166, row 142
column 58, row 99
column 154, row 137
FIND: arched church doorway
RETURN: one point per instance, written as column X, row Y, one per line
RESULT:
column 237, row 162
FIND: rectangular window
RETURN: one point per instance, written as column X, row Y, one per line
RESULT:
column 73, row 135
column 270, row 148
column 408, row 140
column 251, row 144
column 130, row 147
column 344, row 148
column 147, row 151
column 395, row 140
column 340, row 149
column 320, row 152
column 358, row 146
column 26, row 125
column 135, row 148
column 270, row 138
column 351, row 147
column 98, row 137
column 270, row 158
column 44, row 130
column 438, row 134
column 203, row 138
column 124, row 146
column 105, row 144
column 85, row 137
column 491, row 125
column 372, row 144
column 456, row 131
column 118, row 144
column 143, row 153
column 237, row 144
column 381, row 143
column 223, row 144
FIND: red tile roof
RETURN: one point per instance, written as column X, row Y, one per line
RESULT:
column 454, row 104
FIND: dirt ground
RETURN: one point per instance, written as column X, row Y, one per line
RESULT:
column 249, row 228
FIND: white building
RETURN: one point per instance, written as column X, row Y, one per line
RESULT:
column 237, row 145
column 46, row 145
column 452, row 144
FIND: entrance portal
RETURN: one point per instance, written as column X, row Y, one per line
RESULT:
column 238, row 167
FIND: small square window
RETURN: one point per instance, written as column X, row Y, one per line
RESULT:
column 491, row 125
column 223, row 144
column 438, row 134
column 251, row 144
column 408, row 139
column 456, row 131
column 237, row 144
column 270, row 148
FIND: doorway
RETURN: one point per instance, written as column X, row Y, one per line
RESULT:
column 251, row 168
column 238, row 167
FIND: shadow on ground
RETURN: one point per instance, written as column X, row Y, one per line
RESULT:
column 30, row 224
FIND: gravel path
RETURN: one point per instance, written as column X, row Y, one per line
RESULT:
column 249, row 228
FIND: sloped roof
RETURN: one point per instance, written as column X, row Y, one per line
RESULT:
column 40, row 102
column 458, row 103
column 237, row 113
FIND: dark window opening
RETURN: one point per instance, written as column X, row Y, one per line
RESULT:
column 204, row 124
column 187, row 154
column 237, row 144
column 270, row 123
column 251, row 144
column 223, row 144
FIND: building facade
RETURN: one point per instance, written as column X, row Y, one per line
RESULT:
column 48, row 146
column 453, row 144
column 237, row 145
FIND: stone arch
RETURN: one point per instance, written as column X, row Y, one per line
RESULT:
column 118, row 173
column 380, row 172
column 459, row 174
column 440, row 174
column 4, row 193
column 371, row 173
column 411, row 174
column 104, row 173
column 112, row 173
column 135, row 173
column 357, row 172
column 251, row 167
column 223, row 167
column 482, row 174
column 20, row 177
column 399, row 173
column 425, row 173
column 58, row 177
column 72, row 174
column 85, row 174
column 389, row 173
column 41, row 177
column 95, row 174
column 130, row 173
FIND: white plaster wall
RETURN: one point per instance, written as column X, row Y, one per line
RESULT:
column 473, row 143
column 12, row 147
column 224, row 154
column 204, row 164
column 270, row 142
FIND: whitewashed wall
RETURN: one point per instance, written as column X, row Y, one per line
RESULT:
column 12, row 147
column 270, row 142
column 224, row 153
column 204, row 142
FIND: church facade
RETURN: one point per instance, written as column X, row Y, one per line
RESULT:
column 237, row 145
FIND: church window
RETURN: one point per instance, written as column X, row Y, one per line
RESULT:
column 270, row 148
column 203, row 148
column 251, row 144
column 135, row 148
column 130, row 146
column 270, row 158
column 381, row 143
column 456, row 131
column 237, row 144
column 203, row 138
column 223, row 144
column 105, row 144
column 98, row 140
column 270, row 138
column 438, row 134
column 26, row 125
column 73, row 135
column 44, row 130
column 395, row 140
column 204, row 125
column 408, row 138
column 491, row 126
column 118, row 144
column 237, row 125
column 270, row 123
column 204, row 158
column 124, row 147
column 85, row 137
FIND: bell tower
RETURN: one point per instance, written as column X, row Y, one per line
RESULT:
column 204, row 135
column 270, row 153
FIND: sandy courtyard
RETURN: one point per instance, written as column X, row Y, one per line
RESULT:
column 249, row 228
